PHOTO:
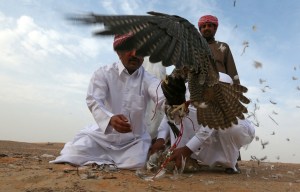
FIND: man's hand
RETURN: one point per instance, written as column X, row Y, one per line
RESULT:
column 179, row 154
column 120, row 123
column 158, row 145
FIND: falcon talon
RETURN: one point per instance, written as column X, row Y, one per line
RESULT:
column 181, row 108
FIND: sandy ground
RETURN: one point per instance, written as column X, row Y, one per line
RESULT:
column 25, row 167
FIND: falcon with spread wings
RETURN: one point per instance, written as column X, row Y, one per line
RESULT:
column 173, row 40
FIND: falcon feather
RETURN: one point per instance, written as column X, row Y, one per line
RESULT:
column 173, row 40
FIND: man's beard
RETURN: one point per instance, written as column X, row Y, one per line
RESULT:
column 208, row 35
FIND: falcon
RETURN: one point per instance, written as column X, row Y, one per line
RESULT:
column 173, row 40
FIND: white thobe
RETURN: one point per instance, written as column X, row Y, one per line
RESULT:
column 153, row 114
column 212, row 147
column 112, row 91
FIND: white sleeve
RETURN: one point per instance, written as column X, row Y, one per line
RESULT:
column 95, row 100
column 156, row 92
column 163, row 129
column 201, row 135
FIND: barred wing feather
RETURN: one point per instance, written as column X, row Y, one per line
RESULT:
column 173, row 40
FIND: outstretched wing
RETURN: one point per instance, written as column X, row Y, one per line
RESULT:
column 170, row 39
column 173, row 40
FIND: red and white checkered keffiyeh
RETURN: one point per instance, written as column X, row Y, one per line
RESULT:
column 208, row 19
column 119, row 39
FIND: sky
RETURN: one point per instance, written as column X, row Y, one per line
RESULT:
column 46, row 63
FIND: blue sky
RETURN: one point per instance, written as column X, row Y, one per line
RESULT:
column 46, row 63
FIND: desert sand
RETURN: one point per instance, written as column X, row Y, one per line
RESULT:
column 26, row 167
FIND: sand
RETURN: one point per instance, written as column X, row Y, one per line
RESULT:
column 26, row 167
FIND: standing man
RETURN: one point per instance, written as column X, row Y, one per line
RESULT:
column 117, row 97
column 208, row 25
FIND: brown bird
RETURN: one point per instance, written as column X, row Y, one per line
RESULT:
column 173, row 40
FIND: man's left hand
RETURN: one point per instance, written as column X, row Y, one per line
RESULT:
column 179, row 154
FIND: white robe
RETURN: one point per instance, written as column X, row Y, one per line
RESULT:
column 154, row 115
column 210, row 146
column 113, row 91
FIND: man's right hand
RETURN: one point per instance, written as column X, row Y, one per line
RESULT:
column 120, row 123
